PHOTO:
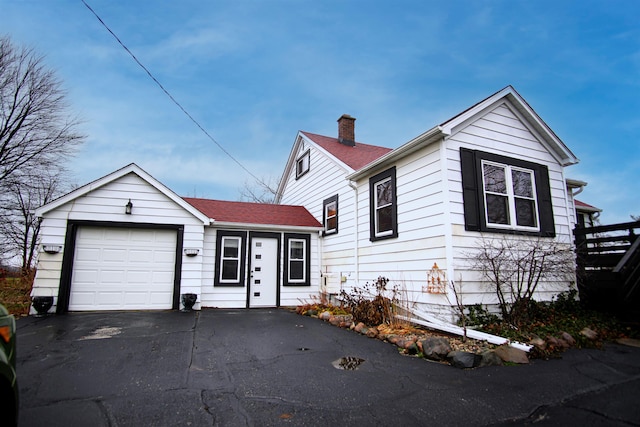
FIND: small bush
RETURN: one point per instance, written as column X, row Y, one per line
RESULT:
column 373, row 304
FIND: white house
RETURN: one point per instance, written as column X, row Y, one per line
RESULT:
column 346, row 214
column 127, row 242
column 494, row 170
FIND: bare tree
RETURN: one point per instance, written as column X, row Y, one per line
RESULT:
column 261, row 191
column 37, row 135
column 19, row 228
column 35, row 129
column 515, row 267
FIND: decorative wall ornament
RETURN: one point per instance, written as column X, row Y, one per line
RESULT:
column 436, row 281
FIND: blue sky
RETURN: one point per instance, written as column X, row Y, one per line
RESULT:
column 253, row 73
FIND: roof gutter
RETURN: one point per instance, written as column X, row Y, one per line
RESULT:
column 271, row 227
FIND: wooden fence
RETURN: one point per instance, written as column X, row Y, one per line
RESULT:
column 608, row 266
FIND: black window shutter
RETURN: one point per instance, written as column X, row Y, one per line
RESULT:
column 470, row 190
column 547, row 225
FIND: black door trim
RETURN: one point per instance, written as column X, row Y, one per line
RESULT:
column 64, row 290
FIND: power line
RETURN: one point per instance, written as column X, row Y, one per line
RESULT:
column 168, row 94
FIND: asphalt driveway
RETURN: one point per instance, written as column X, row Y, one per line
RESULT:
column 273, row 367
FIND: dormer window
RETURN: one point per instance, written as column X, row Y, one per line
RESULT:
column 302, row 164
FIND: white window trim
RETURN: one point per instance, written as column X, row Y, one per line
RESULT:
column 327, row 217
column 303, row 260
column 376, row 208
column 511, row 203
column 223, row 259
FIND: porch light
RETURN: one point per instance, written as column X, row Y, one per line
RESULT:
column 191, row 251
column 128, row 207
column 51, row 249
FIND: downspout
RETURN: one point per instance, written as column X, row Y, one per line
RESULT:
column 356, row 244
column 448, row 231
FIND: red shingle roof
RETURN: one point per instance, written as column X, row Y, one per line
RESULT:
column 254, row 213
column 355, row 157
column 580, row 204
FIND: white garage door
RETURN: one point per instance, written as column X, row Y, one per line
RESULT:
column 123, row 269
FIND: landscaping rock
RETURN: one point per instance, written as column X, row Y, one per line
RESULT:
column 490, row 358
column 568, row 338
column 435, row 348
column 372, row 333
column 405, row 343
column 341, row 320
column 325, row 315
column 538, row 343
column 552, row 343
column 463, row 359
column 334, row 320
column 511, row 354
column 393, row 338
column 412, row 349
column 312, row 312
column 589, row 334
column 361, row 328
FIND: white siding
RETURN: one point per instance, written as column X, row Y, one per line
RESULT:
column 499, row 132
column 326, row 178
column 430, row 211
column 107, row 204
column 421, row 241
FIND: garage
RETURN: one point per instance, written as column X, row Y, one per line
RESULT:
column 118, row 268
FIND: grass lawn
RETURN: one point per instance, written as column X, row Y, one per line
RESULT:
column 14, row 294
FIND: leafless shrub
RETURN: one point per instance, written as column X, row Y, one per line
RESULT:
column 515, row 267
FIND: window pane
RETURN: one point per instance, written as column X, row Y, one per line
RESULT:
column 302, row 164
column 525, row 212
column 296, row 249
column 231, row 248
column 384, row 193
column 230, row 270
column 495, row 179
column 296, row 270
column 497, row 209
column 331, row 209
column 385, row 222
column 332, row 223
column 522, row 184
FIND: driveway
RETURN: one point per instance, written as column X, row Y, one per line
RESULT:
column 273, row 367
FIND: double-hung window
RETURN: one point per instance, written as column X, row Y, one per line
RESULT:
column 230, row 262
column 330, row 215
column 509, row 196
column 505, row 195
column 383, row 205
column 297, row 266
column 230, row 259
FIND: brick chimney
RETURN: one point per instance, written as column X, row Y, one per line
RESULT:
column 346, row 130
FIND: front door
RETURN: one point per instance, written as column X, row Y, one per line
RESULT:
column 263, row 284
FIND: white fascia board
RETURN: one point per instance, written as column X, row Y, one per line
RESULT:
column 246, row 226
column 292, row 160
column 416, row 143
column 290, row 163
column 512, row 99
column 113, row 176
